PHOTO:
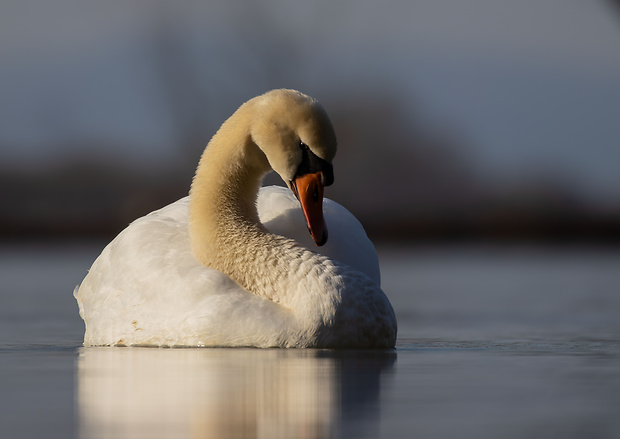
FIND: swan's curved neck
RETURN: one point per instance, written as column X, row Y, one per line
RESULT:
column 225, row 231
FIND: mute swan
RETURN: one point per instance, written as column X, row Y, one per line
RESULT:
column 205, row 271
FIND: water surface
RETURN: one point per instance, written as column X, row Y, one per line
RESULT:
column 492, row 343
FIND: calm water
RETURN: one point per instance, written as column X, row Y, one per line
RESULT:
column 493, row 342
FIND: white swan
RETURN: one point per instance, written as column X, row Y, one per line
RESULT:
column 205, row 270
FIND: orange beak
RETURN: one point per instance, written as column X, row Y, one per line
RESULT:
column 308, row 189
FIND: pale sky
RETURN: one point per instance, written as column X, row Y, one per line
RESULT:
column 531, row 84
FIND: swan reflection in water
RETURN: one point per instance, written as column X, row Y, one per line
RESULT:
column 228, row 393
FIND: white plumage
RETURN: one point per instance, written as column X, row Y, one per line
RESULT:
column 150, row 285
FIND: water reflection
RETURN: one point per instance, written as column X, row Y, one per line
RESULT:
column 228, row 393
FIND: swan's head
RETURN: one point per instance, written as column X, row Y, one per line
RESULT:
column 297, row 137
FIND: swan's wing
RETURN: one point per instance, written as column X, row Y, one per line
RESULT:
column 146, row 287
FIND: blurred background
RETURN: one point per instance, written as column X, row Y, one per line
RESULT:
column 457, row 121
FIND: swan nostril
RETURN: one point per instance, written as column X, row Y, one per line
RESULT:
column 315, row 194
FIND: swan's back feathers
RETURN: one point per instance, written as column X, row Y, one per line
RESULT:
column 147, row 288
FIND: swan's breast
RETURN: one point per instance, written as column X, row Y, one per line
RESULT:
column 280, row 213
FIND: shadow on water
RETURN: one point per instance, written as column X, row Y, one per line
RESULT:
column 229, row 393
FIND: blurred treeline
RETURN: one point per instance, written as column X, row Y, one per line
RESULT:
column 406, row 180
